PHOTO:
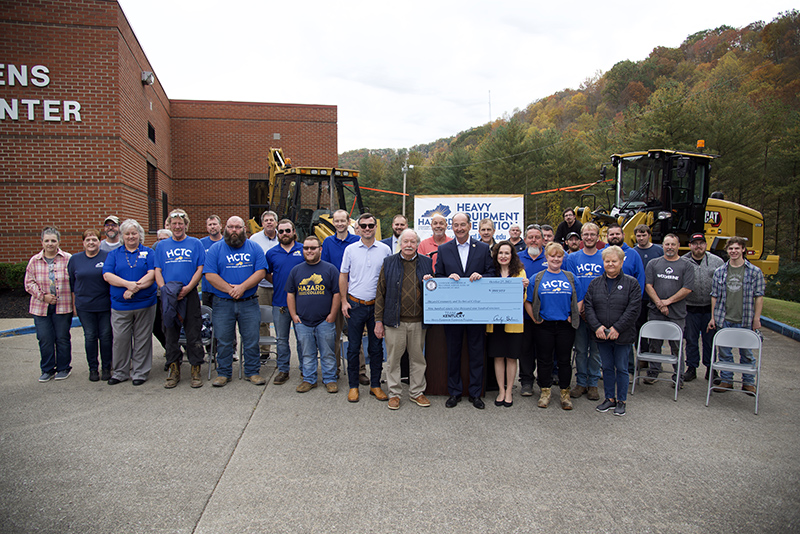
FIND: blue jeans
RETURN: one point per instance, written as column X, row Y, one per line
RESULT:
column 587, row 359
column 283, row 322
column 615, row 369
column 55, row 344
column 360, row 315
column 97, row 328
column 323, row 338
column 745, row 356
column 696, row 324
column 227, row 313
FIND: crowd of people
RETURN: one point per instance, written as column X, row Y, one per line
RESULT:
column 580, row 295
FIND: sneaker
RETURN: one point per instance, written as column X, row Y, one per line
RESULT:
column 394, row 403
column 606, row 405
column 593, row 394
column 690, row 374
column 527, row 390
column 332, row 387
column 421, row 400
column 94, row 375
column 281, row 378
column 62, row 375
column 46, row 377
column 749, row 389
column 620, row 409
column 649, row 381
column 305, row 386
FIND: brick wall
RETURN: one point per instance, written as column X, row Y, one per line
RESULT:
column 71, row 173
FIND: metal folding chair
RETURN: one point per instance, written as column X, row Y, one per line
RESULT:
column 266, row 317
column 663, row 331
column 740, row 338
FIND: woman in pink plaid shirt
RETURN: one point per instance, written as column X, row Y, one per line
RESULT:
column 47, row 280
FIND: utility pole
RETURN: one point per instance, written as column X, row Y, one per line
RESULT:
column 406, row 166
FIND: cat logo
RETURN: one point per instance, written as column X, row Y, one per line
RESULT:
column 714, row 218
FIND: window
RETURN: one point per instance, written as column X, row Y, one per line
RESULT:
column 152, row 199
column 151, row 132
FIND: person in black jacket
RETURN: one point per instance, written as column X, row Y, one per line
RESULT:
column 612, row 306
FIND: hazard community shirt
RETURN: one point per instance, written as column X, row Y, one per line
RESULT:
column 314, row 287
column 179, row 260
column 280, row 264
column 234, row 265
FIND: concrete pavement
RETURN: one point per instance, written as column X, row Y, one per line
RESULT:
column 77, row 456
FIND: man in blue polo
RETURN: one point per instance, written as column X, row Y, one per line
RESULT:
column 533, row 260
column 586, row 264
column 179, row 267
column 280, row 262
column 232, row 270
column 358, row 284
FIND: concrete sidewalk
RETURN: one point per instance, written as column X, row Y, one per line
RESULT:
column 77, row 456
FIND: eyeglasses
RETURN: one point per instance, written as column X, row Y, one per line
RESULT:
column 364, row 226
column 285, row 231
column 310, row 248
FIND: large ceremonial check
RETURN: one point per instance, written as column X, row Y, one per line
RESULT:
column 488, row 300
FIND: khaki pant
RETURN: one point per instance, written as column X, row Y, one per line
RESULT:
column 411, row 337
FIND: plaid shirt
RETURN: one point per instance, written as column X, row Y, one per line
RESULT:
column 37, row 283
column 752, row 287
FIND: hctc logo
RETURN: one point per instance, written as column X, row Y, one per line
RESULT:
column 176, row 252
column 713, row 217
column 238, row 257
column 585, row 269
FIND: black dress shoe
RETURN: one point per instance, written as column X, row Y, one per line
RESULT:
column 113, row 381
column 138, row 382
column 452, row 401
column 477, row 402
column 508, row 404
column 105, row 374
column 94, row 375
column 499, row 403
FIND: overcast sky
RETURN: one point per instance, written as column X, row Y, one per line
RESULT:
column 407, row 73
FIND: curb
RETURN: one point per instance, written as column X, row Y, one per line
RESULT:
column 22, row 330
column 785, row 329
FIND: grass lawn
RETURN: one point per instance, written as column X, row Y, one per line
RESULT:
column 782, row 310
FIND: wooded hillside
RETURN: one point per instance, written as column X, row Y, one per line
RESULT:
column 736, row 88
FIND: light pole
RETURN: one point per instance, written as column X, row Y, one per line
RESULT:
column 406, row 166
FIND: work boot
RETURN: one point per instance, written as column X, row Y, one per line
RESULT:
column 593, row 394
column 544, row 398
column 174, row 376
column 565, row 402
column 577, row 391
column 197, row 379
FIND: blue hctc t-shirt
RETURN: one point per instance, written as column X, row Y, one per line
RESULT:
column 179, row 260
column 555, row 295
column 585, row 268
column 280, row 264
column 314, row 287
column 234, row 265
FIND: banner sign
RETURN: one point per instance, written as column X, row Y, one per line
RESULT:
column 504, row 210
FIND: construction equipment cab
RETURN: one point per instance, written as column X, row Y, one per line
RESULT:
column 668, row 190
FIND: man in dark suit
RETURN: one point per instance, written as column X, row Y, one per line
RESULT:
column 399, row 223
column 464, row 257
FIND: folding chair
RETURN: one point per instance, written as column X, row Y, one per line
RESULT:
column 663, row 331
column 206, row 335
column 266, row 317
column 740, row 338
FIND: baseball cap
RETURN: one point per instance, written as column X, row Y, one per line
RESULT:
column 572, row 234
column 697, row 236
column 112, row 218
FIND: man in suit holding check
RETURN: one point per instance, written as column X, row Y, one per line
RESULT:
column 459, row 258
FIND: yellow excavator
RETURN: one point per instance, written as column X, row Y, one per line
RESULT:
column 668, row 190
column 308, row 196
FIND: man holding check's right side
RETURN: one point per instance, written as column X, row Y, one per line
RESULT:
column 460, row 258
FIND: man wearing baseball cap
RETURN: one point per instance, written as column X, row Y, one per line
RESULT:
column 698, row 305
column 111, row 229
column 573, row 242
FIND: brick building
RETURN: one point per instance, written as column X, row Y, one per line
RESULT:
column 85, row 134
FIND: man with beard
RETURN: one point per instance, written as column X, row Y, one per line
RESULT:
column 214, row 229
column 464, row 257
column 312, row 293
column 233, row 269
column 280, row 262
column 399, row 223
column 534, row 261
column 669, row 280
column 430, row 246
column 569, row 224
column 514, row 237
column 179, row 264
column 111, row 229
column 573, row 242
column 585, row 265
